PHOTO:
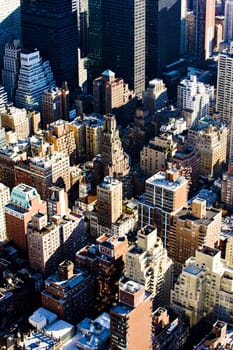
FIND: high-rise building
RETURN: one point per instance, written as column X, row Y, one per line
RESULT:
column 163, row 26
column 53, row 27
column 155, row 95
column 54, row 106
column 204, row 11
column 70, row 295
column 157, row 153
column 62, row 138
column 24, row 202
column 210, row 140
column 10, row 23
column 204, row 287
column 165, row 194
column 113, row 160
column 44, row 172
column 9, row 156
column 16, row 120
column 147, row 263
column 57, row 202
column 3, row 98
column 117, row 39
column 10, row 71
column 110, row 93
column 130, row 319
column 4, row 200
column 193, row 98
column 192, row 228
column 35, row 76
column 109, row 201
column 227, row 187
column 228, row 22
column 225, row 93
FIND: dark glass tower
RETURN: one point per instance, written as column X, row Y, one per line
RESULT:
column 117, row 39
column 163, row 24
column 52, row 26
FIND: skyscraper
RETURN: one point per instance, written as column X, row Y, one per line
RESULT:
column 10, row 23
column 35, row 77
column 204, row 11
column 117, row 39
column 53, row 27
column 228, row 23
column 163, row 25
column 11, row 65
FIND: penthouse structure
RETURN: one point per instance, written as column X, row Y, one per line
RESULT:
column 43, row 172
column 210, row 140
column 165, row 194
column 131, row 318
column 192, row 228
column 147, row 263
column 204, row 287
column 70, row 295
column 24, row 202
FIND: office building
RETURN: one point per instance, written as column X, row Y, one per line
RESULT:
column 104, row 261
column 53, row 27
column 50, row 242
column 228, row 22
column 10, row 23
column 16, row 120
column 163, row 28
column 117, row 40
column 3, row 98
column 157, row 153
column 62, row 138
column 147, row 263
column 55, row 105
column 109, row 201
column 24, row 202
column 35, row 76
column 227, row 188
column 9, row 156
column 11, row 66
column 192, row 228
column 130, row 319
column 4, row 200
column 155, row 95
column 57, row 202
column 44, row 172
column 193, row 98
column 68, row 294
column 210, row 141
column 165, row 194
column 204, row 11
column 113, row 161
column 110, row 93
column 204, row 288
